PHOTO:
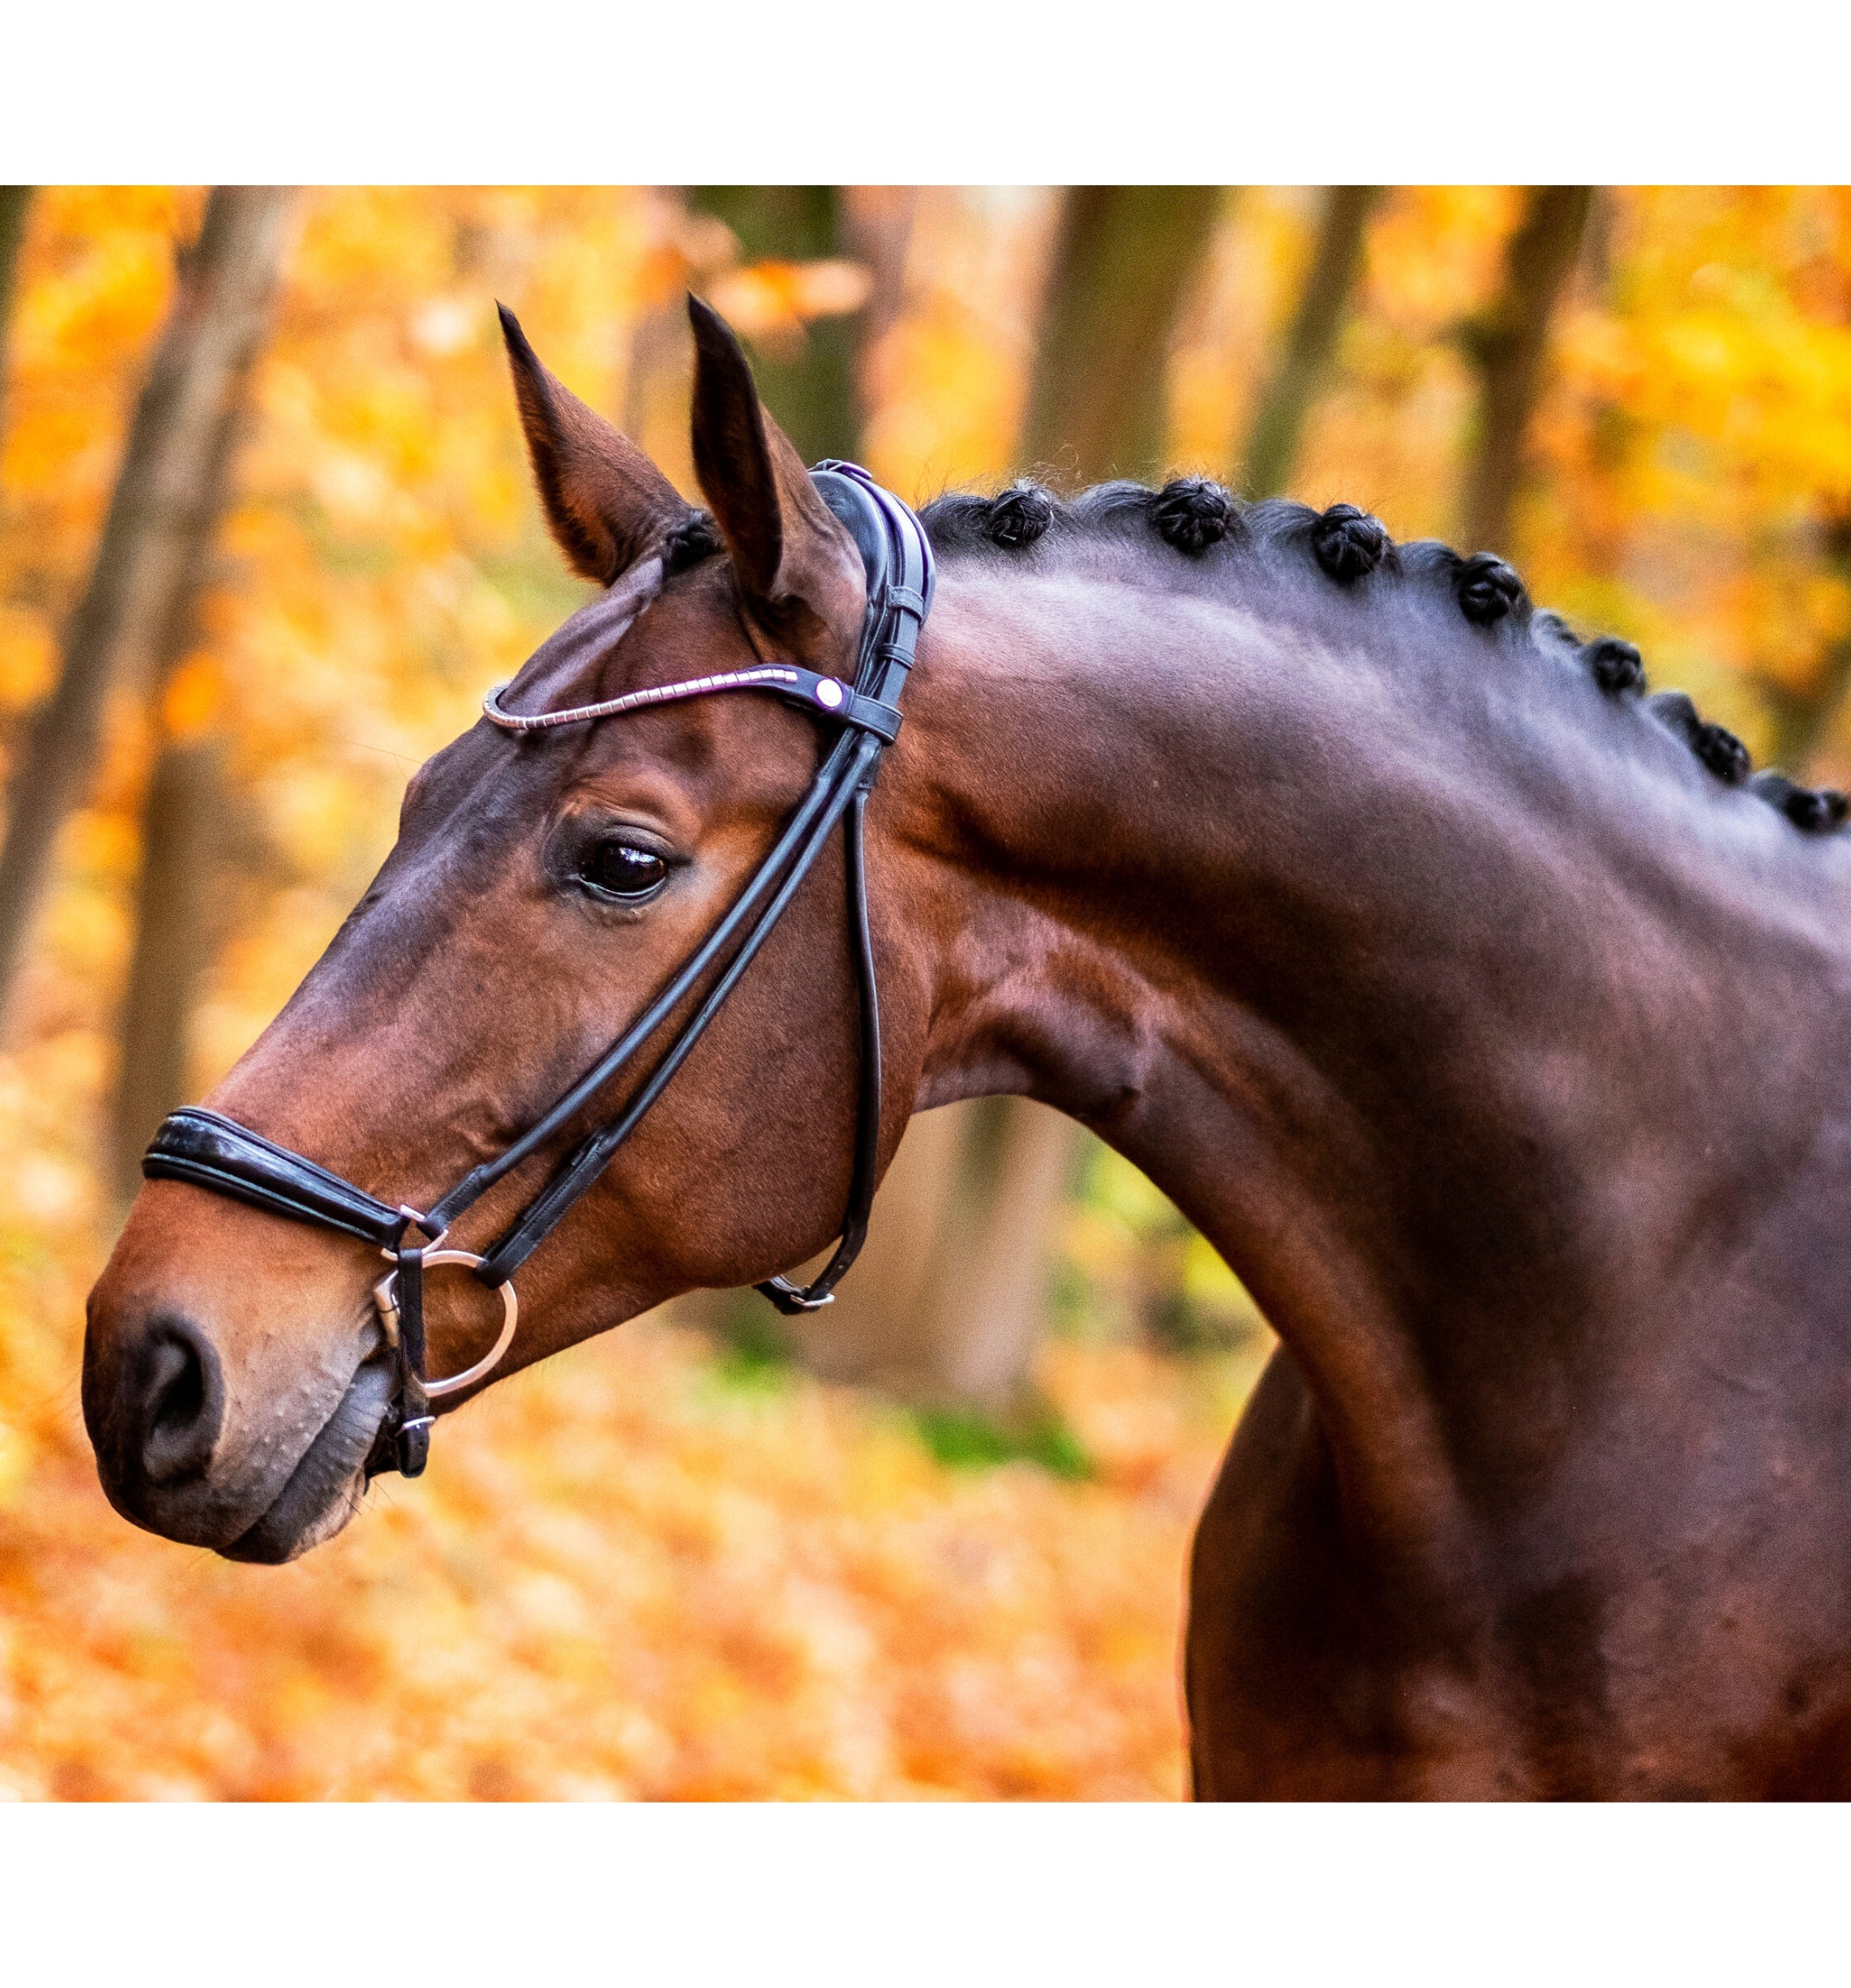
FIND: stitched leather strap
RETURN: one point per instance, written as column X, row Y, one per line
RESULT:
column 788, row 1298
column 200, row 1146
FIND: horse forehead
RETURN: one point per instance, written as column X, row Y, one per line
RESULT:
column 633, row 635
column 488, row 790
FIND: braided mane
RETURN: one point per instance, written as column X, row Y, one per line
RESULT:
column 1192, row 515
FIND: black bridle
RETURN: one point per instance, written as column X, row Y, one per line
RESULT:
column 208, row 1150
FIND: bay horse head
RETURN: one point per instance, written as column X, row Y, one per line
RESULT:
column 555, row 880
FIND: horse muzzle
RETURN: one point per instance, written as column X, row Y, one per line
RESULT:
column 173, row 1461
column 247, row 1434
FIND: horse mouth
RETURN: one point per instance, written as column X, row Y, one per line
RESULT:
column 326, row 1486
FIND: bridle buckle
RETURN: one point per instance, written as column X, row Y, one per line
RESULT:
column 793, row 1299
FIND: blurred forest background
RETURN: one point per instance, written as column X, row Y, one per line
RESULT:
column 266, row 536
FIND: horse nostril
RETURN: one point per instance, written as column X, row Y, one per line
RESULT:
column 184, row 1400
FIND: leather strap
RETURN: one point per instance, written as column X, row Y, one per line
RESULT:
column 794, row 1299
column 411, row 1438
column 208, row 1150
column 899, row 596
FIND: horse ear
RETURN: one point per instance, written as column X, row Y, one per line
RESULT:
column 606, row 502
column 798, row 569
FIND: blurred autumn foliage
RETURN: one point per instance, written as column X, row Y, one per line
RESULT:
column 657, row 1566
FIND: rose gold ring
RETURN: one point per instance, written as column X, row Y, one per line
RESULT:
column 385, row 1295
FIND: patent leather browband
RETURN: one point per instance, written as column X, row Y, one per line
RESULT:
column 208, row 1150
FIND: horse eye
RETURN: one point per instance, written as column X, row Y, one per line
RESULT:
column 621, row 869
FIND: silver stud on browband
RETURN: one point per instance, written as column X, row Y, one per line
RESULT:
column 830, row 694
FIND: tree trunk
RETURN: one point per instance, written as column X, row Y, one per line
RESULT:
column 1311, row 342
column 183, row 821
column 989, row 1300
column 1123, row 261
column 1509, row 344
column 14, row 204
column 879, row 1331
column 162, row 503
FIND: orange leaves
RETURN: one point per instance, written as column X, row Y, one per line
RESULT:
column 773, row 301
column 94, row 280
column 1700, row 437
column 1693, row 445
column 625, row 1579
column 28, row 657
column 190, row 701
column 947, row 382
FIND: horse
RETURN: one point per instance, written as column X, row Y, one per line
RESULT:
column 1482, row 1011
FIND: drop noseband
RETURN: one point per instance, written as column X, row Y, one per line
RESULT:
column 208, row 1150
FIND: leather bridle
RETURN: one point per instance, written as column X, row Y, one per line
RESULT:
column 210, row 1150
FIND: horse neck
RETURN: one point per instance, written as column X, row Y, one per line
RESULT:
column 1454, row 1003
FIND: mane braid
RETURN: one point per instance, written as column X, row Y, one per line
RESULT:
column 695, row 538
column 1193, row 516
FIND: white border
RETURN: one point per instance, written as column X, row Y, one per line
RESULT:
column 945, row 91
column 885, row 1896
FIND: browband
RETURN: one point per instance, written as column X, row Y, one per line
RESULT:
column 828, row 694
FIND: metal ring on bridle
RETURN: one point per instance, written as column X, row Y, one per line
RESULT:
column 385, row 1296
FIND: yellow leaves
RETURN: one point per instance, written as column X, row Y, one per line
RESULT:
column 1734, row 364
column 1793, row 614
column 17, row 1455
column 946, row 383
column 97, row 272
column 1699, row 435
column 1434, row 256
column 616, row 1583
column 28, row 657
column 95, row 275
column 444, row 326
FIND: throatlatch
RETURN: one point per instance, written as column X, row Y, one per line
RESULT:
column 210, row 1150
